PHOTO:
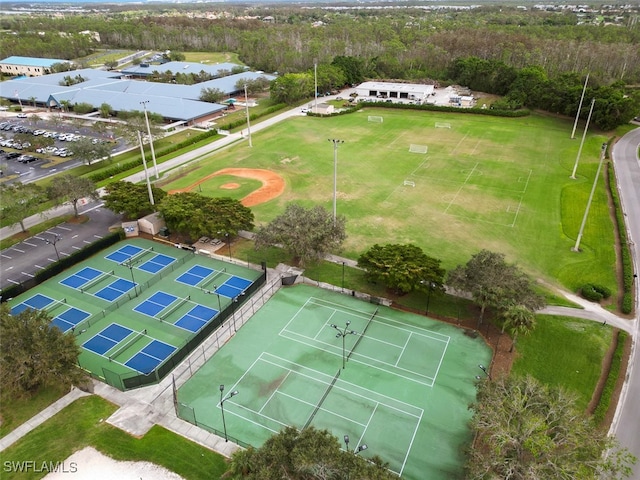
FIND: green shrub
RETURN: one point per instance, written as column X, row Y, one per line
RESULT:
column 612, row 379
column 627, row 303
column 602, row 290
column 590, row 293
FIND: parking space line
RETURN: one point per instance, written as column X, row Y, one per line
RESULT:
column 30, row 244
column 38, row 266
column 74, row 236
column 9, row 268
column 7, row 256
column 86, row 241
column 28, row 274
column 13, row 281
column 18, row 250
column 77, row 248
column 51, row 259
column 98, row 236
column 63, row 228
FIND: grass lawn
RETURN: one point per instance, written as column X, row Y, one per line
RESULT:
column 565, row 352
column 488, row 182
column 83, row 424
column 16, row 411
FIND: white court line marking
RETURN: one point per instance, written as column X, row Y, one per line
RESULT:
column 326, row 324
column 403, row 348
column 30, row 244
column 458, row 144
column 411, row 443
column 461, row 187
column 274, row 392
column 343, row 417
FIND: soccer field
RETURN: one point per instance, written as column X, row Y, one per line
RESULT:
column 487, row 182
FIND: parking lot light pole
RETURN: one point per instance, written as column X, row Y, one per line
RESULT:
column 130, row 265
column 53, row 241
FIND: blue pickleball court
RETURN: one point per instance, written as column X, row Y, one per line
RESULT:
column 195, row 275
column 37, row 302
column 124, row 253
column 153, row 305
column 157, row 263
column 196, row 318
column 115, row 289
column 81, row 277
column 69, row 319
column 147, row 359
column 107, row 338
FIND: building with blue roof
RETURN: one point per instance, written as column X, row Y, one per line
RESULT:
column 28, row 66
column 174, row 102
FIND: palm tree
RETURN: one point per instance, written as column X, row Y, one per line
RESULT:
column 520, row 320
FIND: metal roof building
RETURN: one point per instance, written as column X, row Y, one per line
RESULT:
column 30, row 66
column 173, row 102
column 409, row 91
column 145, row 69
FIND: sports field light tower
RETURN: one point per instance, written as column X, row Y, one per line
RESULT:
column 335, row 142
column 576, row 247
column 586, row 127
column 222, row 400
column 153, row 153
column 146, row 171
column 246, row 107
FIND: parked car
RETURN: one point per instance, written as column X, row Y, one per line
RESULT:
column 22, row 115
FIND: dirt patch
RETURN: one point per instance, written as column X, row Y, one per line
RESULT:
column 272, row 184
column 230, row 186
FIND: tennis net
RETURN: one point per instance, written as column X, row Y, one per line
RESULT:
column 137, row 258
column 364, row 330
column 213, row 279
column 127, row 344
column 95, row 281
column 324, row 396
column 175, row 307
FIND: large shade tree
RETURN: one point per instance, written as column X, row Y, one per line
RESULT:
column 71, row 189
column 196, row 215
column 525, row 430
column 132, row 199
column 492, row 282
column 310, row 454
column 19, row 201
column 89, row 150
column 306, row 234
column 34, row 354
column 403, row 268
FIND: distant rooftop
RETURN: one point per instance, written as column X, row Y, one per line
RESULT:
column 33, row 61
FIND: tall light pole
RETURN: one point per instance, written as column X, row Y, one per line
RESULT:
column 227, row 239
column 246, row 106
column 335, row 142
column 146, row 171
column 315, row 92
column 430, row 289
column 343, row 332
column 222, row 400
column 153, row 153
column 130, row 265
column 576, row 247
column 575, row 124
column 584, row 134
column 52, row 241
column 215, row 287
column 484, row 369
column 343, row 276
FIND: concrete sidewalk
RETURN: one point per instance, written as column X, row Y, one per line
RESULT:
column 41, row 417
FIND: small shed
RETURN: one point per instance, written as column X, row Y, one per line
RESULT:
column 151, row 224
column 324, row 109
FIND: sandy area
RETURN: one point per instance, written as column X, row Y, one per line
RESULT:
column 90, row 464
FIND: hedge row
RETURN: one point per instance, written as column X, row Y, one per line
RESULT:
column 254, row 116
column 61, row 265
column 627, row 264
column 594, row 292
column 612, row 379
column 438, row 108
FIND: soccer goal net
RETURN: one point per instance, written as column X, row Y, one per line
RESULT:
column 443, row 125
column 409, row 183
column 417, row 148
column 375, row 119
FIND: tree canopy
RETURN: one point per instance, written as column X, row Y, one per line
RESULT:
column 403, row 268
column 88, row 150
column 306, row 234
column 492, row 282
column 196, row 215
column 310, row 454
column 525, row 430
column 131, row 199
column 20, row 201
column 71, row 189
column 34, row 354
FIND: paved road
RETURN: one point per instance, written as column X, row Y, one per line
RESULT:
column 626, row 424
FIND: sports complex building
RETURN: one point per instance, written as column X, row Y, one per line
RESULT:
column 119, row 90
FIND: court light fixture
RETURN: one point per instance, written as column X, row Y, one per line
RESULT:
column 346, row 442
column 222, row 400
column 360, row 448
column 343, row 332
column 484, row 369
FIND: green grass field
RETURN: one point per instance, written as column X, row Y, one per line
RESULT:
column 488, row 182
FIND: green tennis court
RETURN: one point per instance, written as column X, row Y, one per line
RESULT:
column 404, row 389
column 139, row 307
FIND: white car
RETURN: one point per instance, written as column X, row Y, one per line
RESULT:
column 22, row 115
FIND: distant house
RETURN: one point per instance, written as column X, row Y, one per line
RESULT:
column 28, row 66
column 398, row 91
